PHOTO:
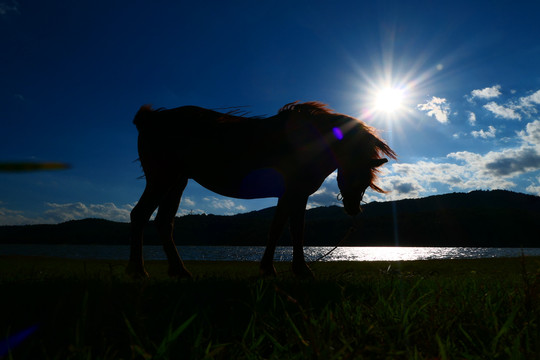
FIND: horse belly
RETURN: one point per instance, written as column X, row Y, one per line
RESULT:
column 254, row 184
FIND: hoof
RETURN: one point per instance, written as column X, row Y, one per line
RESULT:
column 179, row 273
column 136, row 272
column 302, row 271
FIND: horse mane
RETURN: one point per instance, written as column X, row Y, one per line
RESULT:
column 239, row 113
column 143, row 119
column 310, row 107
column 376, row 147
column 379, row 149
column 318, row 108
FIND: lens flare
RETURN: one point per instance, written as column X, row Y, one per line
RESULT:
column 337, row 133
column 14, row 340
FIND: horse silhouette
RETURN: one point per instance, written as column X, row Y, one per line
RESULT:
column 287, row 156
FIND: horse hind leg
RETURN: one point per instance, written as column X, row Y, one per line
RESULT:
column 164, row 221
column 139, row 217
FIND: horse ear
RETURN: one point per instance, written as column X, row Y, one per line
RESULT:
column 378, row 162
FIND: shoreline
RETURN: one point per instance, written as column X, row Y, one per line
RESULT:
column 13, row 267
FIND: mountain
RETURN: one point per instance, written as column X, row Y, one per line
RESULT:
column 479, row 219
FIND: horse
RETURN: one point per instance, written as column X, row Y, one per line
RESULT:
column 287, row 156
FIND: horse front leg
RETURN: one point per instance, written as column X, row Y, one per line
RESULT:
column 299, row 266
column 276, row 229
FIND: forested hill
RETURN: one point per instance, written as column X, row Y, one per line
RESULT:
column 479, row 218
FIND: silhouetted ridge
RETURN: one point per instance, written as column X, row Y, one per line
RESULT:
column 480, row 218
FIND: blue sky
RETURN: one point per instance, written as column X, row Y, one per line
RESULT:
column 74, row 74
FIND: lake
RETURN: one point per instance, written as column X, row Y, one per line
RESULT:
column 254, row 253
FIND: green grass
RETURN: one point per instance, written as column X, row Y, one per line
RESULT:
column 451, row 309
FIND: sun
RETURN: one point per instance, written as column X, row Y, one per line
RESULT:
column 389, row 100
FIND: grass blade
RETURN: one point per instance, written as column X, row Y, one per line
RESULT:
column 172, row 336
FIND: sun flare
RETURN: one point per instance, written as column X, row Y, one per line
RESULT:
column 389, row 100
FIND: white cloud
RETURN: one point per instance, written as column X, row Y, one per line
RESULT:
column 405, row 187
column 531, row 134
column 186, row 201
column 78, row 210
column 527, row 104
column 184, row 212
column 332, row 177
column 472, row 118
column 487, row 93
column 16, row 217
column 530, row 100
column 430, row 173
column 534, row 188
column 323, row 197
column 507, row 163
column 436, row 107
column 224, row 204
column 466, row 171
column 485, row 134
column 57, row 213
column 512, row 109
column 502, row 112
column 456, row 176
column 459, row 171
column 189, row 207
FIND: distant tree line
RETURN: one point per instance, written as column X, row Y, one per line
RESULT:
column 478, row 219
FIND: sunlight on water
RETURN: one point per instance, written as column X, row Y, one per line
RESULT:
column 410, row 253
column 254, row 253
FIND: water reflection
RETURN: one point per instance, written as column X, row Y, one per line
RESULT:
column 254, row 253
column 414, row 253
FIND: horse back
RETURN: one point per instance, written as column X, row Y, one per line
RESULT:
column 192, row 134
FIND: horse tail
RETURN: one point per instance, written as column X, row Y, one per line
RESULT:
column 142, row 118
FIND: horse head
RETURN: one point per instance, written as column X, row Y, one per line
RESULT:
column 356, row 148
column 353, row 182
column 359, row 151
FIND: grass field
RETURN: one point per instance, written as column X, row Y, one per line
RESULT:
column 440, row 309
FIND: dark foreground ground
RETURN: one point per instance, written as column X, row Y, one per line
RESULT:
column 440, row 309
